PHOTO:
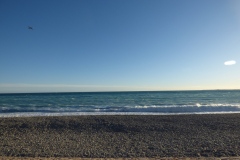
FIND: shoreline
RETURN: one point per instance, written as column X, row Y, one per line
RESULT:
column 121, row 136
column 67, row 114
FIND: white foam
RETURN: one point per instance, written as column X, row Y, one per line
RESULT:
column 37, row 114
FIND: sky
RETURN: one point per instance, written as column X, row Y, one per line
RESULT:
column 119, row 45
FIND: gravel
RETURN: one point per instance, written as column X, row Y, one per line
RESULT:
column 123, row 136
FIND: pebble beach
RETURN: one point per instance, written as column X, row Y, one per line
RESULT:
column 121, row 136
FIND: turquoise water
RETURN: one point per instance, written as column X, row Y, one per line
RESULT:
column 163, row 102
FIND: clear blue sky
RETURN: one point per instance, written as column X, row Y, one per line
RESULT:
column 116, row 45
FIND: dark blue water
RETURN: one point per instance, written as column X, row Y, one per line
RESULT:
column 165, row 102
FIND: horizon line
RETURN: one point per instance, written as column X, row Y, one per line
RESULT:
column 122, row 91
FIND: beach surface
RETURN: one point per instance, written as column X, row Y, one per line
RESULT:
column 121, row 136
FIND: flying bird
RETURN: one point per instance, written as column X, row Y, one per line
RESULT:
column 29, row 27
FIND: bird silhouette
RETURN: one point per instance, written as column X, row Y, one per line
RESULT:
column 29, row 27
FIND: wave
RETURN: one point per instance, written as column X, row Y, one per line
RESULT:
column 195, row 108
column 40, row 114
column 187, row 108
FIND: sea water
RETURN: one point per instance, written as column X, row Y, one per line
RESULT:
column 120, row 103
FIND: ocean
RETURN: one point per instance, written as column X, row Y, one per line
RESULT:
column 120, row 103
